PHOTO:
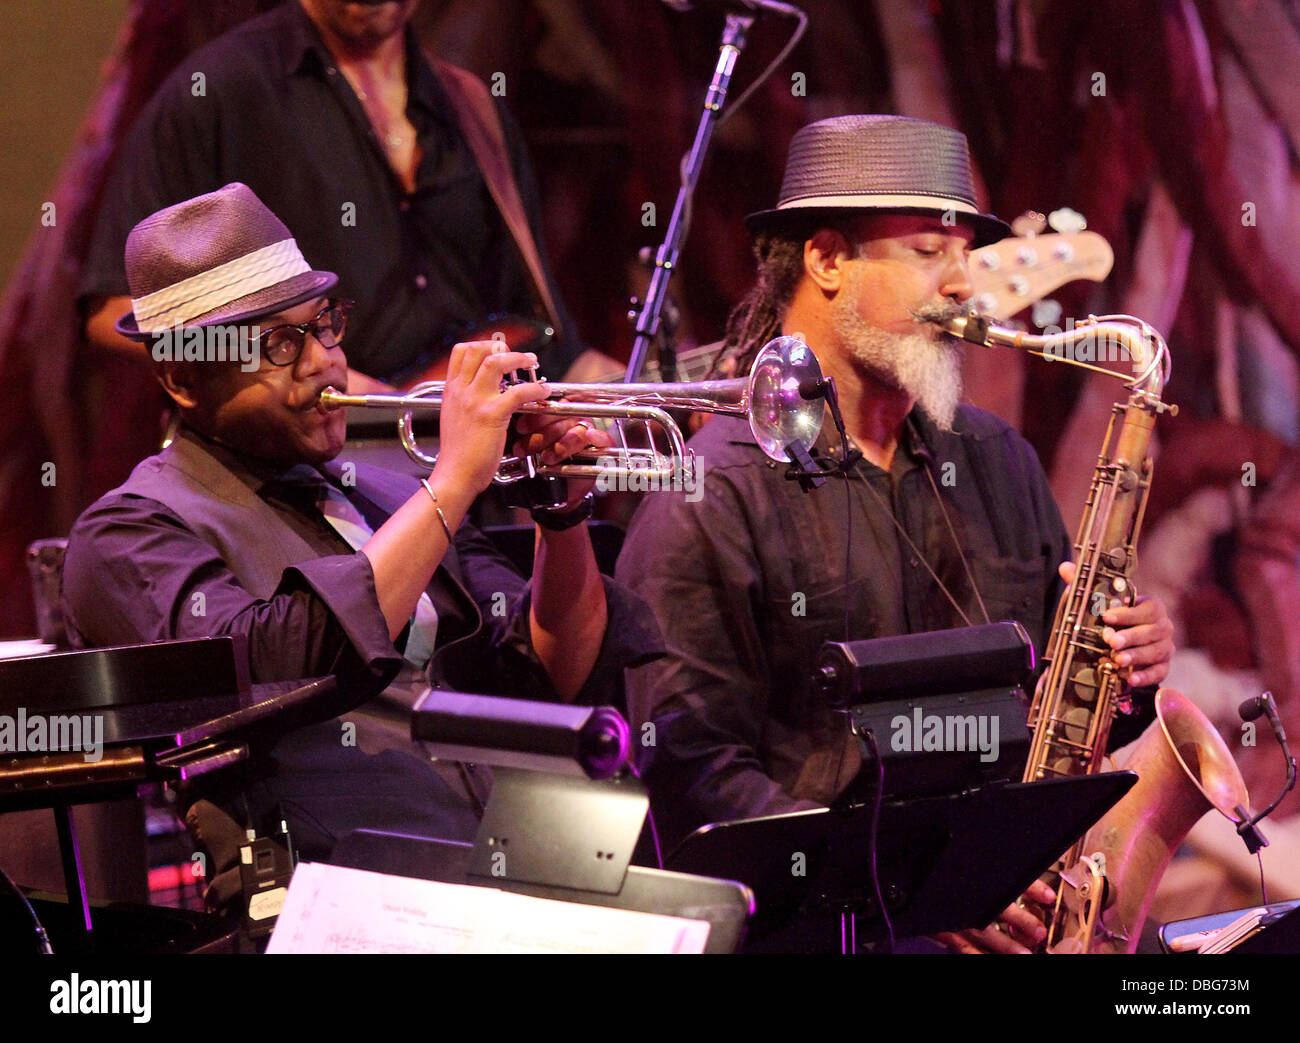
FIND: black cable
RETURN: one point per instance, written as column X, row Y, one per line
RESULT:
column 790, row 45
column 843, row 470
column 650, row 818
column 42, row 936
column 848, row 545
column 1290, row 785
column 1248, row 711
column 288, row 838
column 877, row 799
column 250, row 825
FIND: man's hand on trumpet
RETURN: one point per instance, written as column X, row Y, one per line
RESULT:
column 476, row 414
column 553, row 439
column 476, row 411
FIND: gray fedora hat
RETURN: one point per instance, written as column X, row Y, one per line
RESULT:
column 222, row 257
column 849, row 164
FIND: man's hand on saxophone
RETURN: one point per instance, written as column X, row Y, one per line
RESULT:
column 1017, row 930
column 1140, row 637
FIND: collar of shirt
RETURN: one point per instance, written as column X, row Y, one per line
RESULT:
column 302, row 51
column 257, row 473
column 912, row 451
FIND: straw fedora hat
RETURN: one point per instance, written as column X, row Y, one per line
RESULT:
column 850, row 164
column 222, row 257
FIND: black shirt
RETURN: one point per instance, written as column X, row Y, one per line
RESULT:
column 749, row 580
column 265, row 104
column 136, row 572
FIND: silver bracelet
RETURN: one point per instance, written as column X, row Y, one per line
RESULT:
column 437, row 507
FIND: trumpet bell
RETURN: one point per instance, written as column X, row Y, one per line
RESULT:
column 780, row 410
column 781, row 398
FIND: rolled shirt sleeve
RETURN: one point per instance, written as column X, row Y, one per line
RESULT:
column 135, row 573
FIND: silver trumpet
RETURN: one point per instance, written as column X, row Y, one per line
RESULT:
column 774, row 398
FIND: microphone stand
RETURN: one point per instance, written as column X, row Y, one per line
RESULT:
column 647, row 323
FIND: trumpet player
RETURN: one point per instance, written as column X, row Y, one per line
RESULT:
column 944, row 520
column 250, row 524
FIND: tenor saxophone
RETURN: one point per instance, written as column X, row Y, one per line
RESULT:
column 1106, row 881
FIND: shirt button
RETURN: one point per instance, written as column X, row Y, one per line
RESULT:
column 330, row 70
column 914, row 563
column 421, row 282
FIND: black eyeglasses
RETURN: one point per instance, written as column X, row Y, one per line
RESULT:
column 282, row 345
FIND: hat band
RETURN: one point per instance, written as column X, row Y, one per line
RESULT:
column 879, row 201
column 199, row 294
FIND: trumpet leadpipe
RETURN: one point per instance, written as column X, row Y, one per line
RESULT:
column 772, row 398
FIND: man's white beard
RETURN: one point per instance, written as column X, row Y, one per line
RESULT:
column 928, row 370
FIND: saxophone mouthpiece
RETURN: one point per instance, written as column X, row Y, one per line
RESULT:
column 969, row 327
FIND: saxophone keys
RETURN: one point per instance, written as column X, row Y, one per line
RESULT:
column 1074, row 724
column 1085, row 684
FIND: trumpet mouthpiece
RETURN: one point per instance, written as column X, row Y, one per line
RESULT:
column 329, row 398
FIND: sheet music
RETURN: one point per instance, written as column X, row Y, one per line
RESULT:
column 17, row 649
column 332, row 909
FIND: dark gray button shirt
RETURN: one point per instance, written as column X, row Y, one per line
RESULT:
column 749, row 581
column 135, row 571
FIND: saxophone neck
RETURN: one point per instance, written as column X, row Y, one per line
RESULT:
column 1106, row 339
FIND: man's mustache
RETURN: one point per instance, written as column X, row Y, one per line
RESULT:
column 939, row 314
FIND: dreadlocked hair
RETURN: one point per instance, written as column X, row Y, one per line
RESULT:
column 757, row 318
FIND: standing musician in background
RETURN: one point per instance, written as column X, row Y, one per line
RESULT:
column 244, row 526
column 944, row 520
column 402, row 174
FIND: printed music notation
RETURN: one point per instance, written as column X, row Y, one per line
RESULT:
column 332, row 909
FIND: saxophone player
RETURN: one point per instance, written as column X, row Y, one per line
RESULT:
column 946, row 519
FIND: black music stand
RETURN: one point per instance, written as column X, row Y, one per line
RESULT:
column 170, row 711
column 945, row 863
column 563, row 838
column 1277, row 934
column 562, row 821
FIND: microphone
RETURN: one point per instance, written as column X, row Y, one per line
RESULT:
column 812, row 387
column 1249, row 710
column 1263, row 704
